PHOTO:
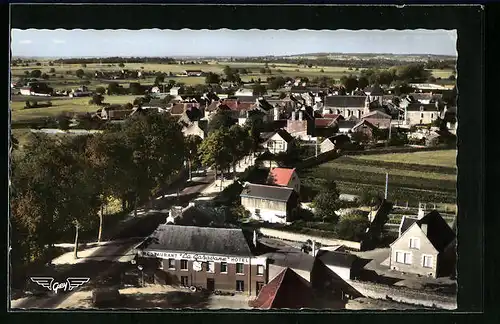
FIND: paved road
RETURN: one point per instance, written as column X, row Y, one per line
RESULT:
column 133, row 229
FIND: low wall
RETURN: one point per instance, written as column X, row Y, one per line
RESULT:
column 315, row 160
column 406, row 149
column 404, row 295
column 296, row 237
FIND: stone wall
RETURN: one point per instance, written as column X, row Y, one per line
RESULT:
column 295, row 237
column 404, row 295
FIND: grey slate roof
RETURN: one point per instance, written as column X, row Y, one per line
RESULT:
column 337, row 259
column 438, row 231
column 267, row 192
column 426, row 107
column 346, row 123
column 225, row 241
column 345, row 101
column 291, row 258
column 406, row 222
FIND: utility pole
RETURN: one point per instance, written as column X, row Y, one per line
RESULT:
column 390, row 131
column 316, row 146
column 386, row 183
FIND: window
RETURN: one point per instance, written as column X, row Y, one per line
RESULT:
column 210, row 267
column 223, row 267
column 422, row 115
column 257, row 212
column 171, row 263
column 427, row 261
column 432, row 115
column 240, row 285
column 415, row 243
column 260, row 270
column 403, row 257
column 184, row 265
column 239, row 268
column 184, row 281
column 160, row 265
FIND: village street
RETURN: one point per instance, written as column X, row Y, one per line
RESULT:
column 111, row 259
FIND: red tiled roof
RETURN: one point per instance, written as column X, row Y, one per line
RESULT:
column 323, row 122
column 180, row 108
column 333, row 116
column 281, row 176
column 286, row 290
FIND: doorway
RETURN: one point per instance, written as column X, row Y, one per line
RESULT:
column 258, row 287
column 210, row 284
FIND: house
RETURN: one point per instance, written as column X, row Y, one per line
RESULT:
column 284, row 177
column 426, row 246
column 340, row 263
column 211, row 258
column 347, row 106
column 365, row 127
column 378, row 118
column 197, row 128
column 374, row 92
column 301, row 123
column 426, row 97
column 193, row 73
column 300, row 262
column 176, row 91
column 345, row 126
column 419, row 114
column 333, row 143
column 244, row 93
column 286, row 290
column 271, row 204
column 279, row 142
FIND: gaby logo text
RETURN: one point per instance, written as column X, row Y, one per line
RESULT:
column 52, row 285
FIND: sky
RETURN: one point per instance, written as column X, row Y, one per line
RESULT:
column 225, row 42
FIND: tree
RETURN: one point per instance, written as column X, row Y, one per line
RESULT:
column 136, row 88
column 100, row 90
column 412, row 73
column 259, row 89
column 97, row 99
column 326, row 203
column 159, row 79
column 192, row 144
column 363, row 82
column 263, row 71
column 352, row 227
column 84, row 65
column 350, row 83
column 52, row 70
column 35, row 73
column 121, row 65
column 370, row 198
column 276, row 83
column 215, row 151
column 80, row 73
column 156, row 145
column 114, row 88
column 63, row 121
column 45, row 76
column 360, row 137
column 240, row 144
column 212, row 78
column 452, row 77
column 221, row 119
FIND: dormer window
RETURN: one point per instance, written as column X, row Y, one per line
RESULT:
column 415, row 243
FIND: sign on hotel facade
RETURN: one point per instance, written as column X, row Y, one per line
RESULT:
column 201, row 257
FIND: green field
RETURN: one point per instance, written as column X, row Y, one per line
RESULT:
column 425, row 181
column 64, row 105
column 444, row 158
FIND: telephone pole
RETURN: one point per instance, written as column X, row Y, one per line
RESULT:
column 386, row 184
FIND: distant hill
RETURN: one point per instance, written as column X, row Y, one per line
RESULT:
column 370, row 56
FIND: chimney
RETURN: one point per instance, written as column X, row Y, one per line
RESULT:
column 424, row 228
column 254, row 238
column 276, row 113
column 301, row 115
column 421, row 211
column 294, row 115
column 314, row 248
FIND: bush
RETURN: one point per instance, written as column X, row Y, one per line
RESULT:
column 52, row 70
column 352, row 227
column 121, row 65
column 100, row 90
